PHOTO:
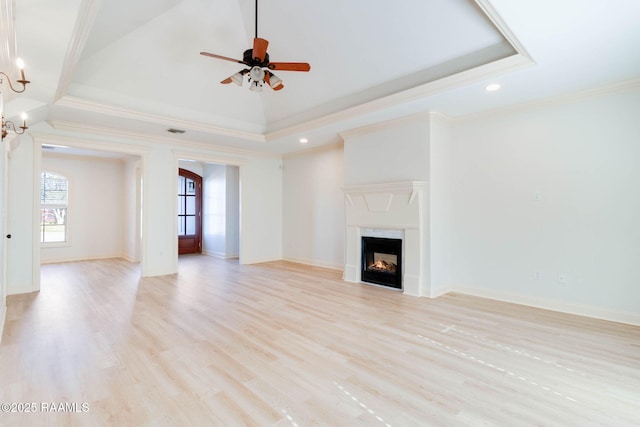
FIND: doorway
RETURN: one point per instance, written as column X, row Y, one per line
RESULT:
column 189, row 212
column 90, row 204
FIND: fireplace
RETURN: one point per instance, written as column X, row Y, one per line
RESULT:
column 395, row 210
column 382, row 261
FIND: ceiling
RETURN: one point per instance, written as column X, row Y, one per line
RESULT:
column 134, row 67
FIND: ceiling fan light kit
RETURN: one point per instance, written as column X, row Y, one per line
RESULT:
column 259, row 71
column 237, row 78
column 274, row 81
column 256, row 86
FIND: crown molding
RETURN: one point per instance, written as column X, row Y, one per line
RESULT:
column 501, row 25
column 82, row 142
column 388, row 124
column 456, row 80
column 473, row 75
column 84, row 23
column 116, row 133
column 401, row 121
column 312, row 150
column 511, row 63
column 50, row 154
column 8, row 47
column 448, row 121
column 442, row 118
column 182, row 154
column 90, row 8
column 552, row 101
column 85, row 105
column 7, row 32
column 87, row 15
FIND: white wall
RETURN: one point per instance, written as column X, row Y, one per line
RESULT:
column 440, row 214
column 261, row 199
column 221, row 206
column 214, row 210
column 261, row 210
column 133, row 209
column 20, row 219
column 160, row 250
column 195, row 167
column 552, row 190
column 96, row 209
column 3, row 226
column 397, row 151
column 314, row 221
column 392, row 152
column 232, row 214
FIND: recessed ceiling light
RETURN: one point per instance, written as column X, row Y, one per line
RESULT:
column 303, row 140
column 493, row 87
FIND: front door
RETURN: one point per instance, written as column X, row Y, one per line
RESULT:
column 189, row 212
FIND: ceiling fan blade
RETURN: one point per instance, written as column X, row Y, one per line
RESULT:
column 213, row 55
column 259, row 48
column 227, row 81
column 289, row 66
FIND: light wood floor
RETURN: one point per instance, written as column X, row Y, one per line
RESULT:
column 280, row 344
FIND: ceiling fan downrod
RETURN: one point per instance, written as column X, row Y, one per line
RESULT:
column 256, row 19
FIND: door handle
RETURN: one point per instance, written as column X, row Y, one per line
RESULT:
column 8, row 236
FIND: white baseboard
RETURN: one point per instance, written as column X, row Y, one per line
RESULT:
column 259, row 260
column 547, row 304
column 23, row 288
column 85, row 258
column 314, row 263
column 220, row 255
column 435, row 293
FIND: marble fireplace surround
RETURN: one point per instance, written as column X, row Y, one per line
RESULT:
column 394, row 209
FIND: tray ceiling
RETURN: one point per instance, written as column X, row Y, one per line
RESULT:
column 136, row 66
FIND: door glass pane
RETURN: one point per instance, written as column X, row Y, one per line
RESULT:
column 191, row 186
column 181, row 187
column 191, row 205
column 180, row 205
column 181, row 227
column 191, row 225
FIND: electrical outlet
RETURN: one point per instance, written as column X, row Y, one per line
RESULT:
column 537, row 276
column 563, row 278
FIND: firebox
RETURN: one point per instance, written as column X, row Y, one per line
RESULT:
column 382, row 261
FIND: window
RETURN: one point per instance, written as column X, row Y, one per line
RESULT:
column 54, row 192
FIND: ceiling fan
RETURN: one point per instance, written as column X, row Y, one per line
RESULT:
column 259, row 71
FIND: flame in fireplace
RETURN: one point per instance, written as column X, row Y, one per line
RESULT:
column 383, row 266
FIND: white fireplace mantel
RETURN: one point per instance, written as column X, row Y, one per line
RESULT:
column 400, row 206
